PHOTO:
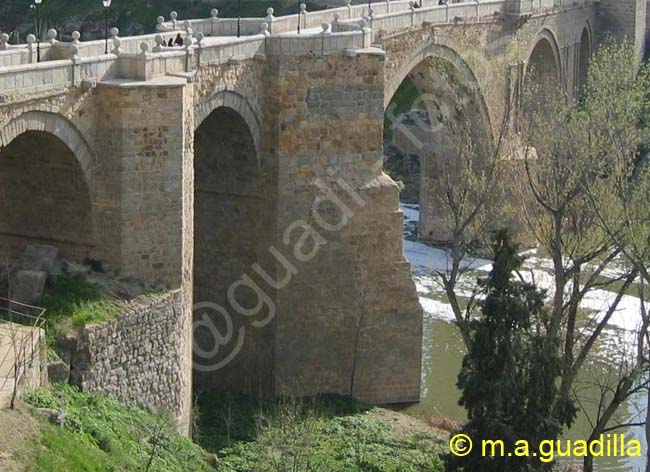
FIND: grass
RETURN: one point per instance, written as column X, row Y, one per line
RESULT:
column 72, row 302
column 102, row 434
column 326, row 433
column 322, row 434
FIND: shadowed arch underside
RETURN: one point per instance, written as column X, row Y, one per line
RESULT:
column 57, row 126
column 458, row 124
column 231, row 211
column 45, row 196
column 585, row 54
column 235, row 101
column 543, row 68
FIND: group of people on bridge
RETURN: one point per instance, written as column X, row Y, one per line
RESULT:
column 175, row 42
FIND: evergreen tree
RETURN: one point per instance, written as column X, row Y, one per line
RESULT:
column 509, row 376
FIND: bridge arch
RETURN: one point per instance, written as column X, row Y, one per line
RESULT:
column 586, row 47
column 232, row 228
column 544, row 64
column 56, row 125
column 445, row 53
column 452, row 121
column 230, row 98
column 45, row 186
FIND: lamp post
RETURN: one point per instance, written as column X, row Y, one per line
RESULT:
column 37, row 5
column 238, row 18
column 107, row 5
column 299, row 15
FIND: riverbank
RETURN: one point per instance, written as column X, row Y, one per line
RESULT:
column 231, row 433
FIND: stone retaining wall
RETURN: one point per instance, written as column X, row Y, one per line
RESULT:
column 138, row 357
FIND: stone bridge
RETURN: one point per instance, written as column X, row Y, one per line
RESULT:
column 247, row 171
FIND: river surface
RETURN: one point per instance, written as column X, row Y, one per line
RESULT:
column 443, row 348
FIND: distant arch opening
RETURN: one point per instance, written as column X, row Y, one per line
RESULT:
column 231, row 226
column 543, row 69
column 435, row 123
column 583, row 63
column 44, row 198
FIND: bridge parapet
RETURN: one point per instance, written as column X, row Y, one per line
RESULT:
column 215, row 26
column 147, row 57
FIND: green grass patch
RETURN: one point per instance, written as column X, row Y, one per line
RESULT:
column 72, row 302
column 327, row 433
column 103, row 434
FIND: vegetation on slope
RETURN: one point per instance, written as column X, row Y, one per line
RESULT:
column 326, row 433
column 102, row 434
column 72, row 302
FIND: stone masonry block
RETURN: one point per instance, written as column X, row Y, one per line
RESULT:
column 27, row 286
column 39, row 257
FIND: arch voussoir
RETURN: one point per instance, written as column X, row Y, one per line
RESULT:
column 236, row 101
column 56, row 125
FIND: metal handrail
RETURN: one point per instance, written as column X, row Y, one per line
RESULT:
column 21, row 364
column 38, row 320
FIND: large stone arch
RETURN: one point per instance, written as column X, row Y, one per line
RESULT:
column 228, row 97
column 544, row 62
column 57, row 126
column 232, row 227
column 46, row 187
column 457, row 120
column 432, row 50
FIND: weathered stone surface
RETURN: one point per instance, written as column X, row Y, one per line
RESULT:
column 27, row 286
column 58, row 372
column 39, row 257
column 138, row 357
column 22, row 351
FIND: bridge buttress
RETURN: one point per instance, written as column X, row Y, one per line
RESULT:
column 144, row 136
column 329, row 113
column 623, row 19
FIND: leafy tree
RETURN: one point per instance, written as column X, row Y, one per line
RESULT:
column 584, row 198
column 510, row 374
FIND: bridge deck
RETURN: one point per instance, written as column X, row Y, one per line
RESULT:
column 211, row 41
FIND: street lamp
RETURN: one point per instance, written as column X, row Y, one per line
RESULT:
column 37, row 4
column 299, row 14
column 107, row 5
column 238, row 18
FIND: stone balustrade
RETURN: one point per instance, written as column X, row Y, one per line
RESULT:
column 212, row 41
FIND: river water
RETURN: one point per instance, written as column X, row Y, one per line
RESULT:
column 443, row 348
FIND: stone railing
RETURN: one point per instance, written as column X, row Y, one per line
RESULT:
column 210, row 41
column 54, row 75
